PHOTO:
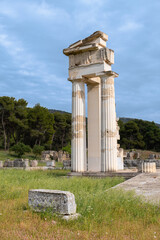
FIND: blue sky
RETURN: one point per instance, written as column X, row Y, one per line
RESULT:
column 33, row 34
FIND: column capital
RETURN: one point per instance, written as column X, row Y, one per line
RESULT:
column 76, row 79
column 107, row 74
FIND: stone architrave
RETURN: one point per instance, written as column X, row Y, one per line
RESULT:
column 90, row 63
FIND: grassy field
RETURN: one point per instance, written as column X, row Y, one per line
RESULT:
column 4, row 155
column 105, row 214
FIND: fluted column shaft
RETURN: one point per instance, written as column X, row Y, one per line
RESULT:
column 78, row 144
column 108, row 125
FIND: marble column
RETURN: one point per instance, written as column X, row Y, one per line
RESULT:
column 108, row 124
column 78, row 144
column 94, row 127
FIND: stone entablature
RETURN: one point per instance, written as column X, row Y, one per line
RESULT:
column 92, row 57
column 89, row 56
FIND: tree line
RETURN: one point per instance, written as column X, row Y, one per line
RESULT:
column 32, row 126
column 139, row 134
column 38, row 126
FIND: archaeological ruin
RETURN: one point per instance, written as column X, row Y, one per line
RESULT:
column 90, row 63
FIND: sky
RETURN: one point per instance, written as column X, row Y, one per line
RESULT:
column 33, row 34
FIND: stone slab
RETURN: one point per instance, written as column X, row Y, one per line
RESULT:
column 145, row 184
column 61, row 202
column 125, row 174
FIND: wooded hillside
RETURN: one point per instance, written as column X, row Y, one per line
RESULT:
column 52, row 128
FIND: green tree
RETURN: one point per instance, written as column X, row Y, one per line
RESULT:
column 20, row 149
column 62, row 128
column 130, row 136
column 40, row 122
column 37, row 150
column 6, row 110
column 67, row 148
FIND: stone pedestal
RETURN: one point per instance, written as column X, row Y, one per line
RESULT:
column 78, row 145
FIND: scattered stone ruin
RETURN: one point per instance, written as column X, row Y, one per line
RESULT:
column 19, row 163
column 49, row 155
column 90, row 63
column 63, row 156
column 54, row 155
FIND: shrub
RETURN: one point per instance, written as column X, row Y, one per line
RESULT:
column 20, row 149
column 37, row 150
column 67, row 148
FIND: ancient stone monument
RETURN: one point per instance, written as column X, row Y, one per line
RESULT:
column 90, row 63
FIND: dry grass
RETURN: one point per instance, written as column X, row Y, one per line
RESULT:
column 105, row 215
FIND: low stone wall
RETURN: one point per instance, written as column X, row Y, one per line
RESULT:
column 20, row 163
column 61, row 202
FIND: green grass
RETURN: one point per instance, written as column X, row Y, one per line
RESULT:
column 105, row 214
column 4, row 155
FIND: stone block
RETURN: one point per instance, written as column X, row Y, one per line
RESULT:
column 158, row 163
column 1, row 164
column 49, row 155
column 61, row 202
column 66, row 163
column 26, row 163
column 8, row 163
column 34, row 163
column 19, row 163
column 50, row 163
column 136, row 155
column 152, row 156
column 63, row 156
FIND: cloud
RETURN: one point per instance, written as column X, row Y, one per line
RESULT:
column 49, row 11
column 130, row 26
column 6, row 10
column 93, row 3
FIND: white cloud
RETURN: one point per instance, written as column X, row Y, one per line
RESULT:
column 93, row 2
column 12, row 47
column 41, row 10
column 48, row 11
column 7, row 10
column 26, row 63
column 130, row 26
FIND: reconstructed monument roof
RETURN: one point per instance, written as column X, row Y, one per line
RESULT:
column 86, row 44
